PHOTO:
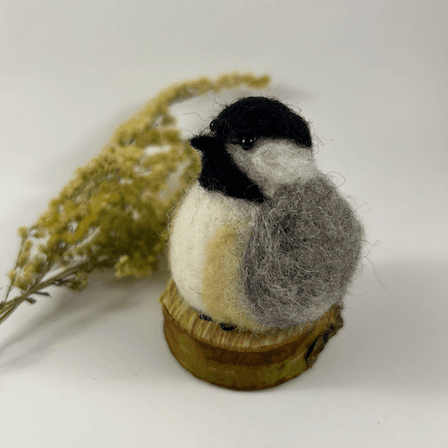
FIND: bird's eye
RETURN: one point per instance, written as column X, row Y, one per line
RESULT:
column 213, row 126
column 247, row 143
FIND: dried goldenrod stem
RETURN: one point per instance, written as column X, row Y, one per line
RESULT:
column 113, row 213
column 8, row 307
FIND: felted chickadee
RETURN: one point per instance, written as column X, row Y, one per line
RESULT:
column 263, row 239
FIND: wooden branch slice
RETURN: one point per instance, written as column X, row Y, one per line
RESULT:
column 237, row 359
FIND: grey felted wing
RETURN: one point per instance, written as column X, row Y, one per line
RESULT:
column 302, row 254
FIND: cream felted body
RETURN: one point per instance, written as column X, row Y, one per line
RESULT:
column 208, row 236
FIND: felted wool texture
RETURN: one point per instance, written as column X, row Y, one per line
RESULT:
column 223, row 287
column 220, row 173
column 302, row 254
column 264, row 240
column 204, row 224
column 252, row 120
column 260, row 117
column 275, row 162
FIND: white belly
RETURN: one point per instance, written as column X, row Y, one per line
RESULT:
column 200, row 215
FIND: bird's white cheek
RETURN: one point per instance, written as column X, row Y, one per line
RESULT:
column 277, row 162
column 284, row 163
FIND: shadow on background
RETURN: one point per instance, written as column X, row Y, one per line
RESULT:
column 67, row 315
column 393, row 336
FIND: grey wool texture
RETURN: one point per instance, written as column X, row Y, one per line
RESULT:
column 302, row 255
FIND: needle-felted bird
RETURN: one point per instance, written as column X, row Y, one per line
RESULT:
column 263, row 239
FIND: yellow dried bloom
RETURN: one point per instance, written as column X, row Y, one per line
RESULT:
column 39, row 233
column 23, row 232
column 12, row 275
column 24, row 281
column 23, row 258
column 78, row 282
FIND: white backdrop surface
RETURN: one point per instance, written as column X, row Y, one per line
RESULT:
column 93, row 369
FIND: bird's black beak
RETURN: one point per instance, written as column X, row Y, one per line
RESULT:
column 204, row 143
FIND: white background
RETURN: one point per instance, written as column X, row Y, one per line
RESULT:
column 93, row 369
